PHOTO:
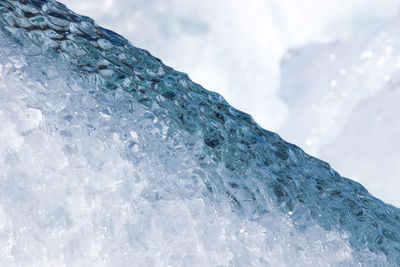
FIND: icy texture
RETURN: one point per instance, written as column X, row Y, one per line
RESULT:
column 349, row 104
column 240, row 60
column 109, row 157
column 85, row 183
column 237, row 45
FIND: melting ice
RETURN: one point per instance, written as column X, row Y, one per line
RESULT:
column 109, row 157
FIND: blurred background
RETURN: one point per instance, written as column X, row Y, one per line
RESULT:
column 324, row 74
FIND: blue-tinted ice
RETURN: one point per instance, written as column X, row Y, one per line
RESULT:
column 137, row 135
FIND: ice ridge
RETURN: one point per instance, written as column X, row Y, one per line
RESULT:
column 261, row 171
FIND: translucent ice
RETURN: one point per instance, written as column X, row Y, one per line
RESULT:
column 237, row 45
column 109, row 157
column 239, row 59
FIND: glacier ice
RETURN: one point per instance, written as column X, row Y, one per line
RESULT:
column 109, row 157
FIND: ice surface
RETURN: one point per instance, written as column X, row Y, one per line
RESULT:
column 238, row 58
column 109, row 157
column 237, row 45
column 344, row 97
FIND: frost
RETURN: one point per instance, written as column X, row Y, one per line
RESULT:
column 119, row 163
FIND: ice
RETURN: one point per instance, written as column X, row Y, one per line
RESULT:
column 238, row 58
column 85, row 186
column 343, row 99
column 237, row 45
column 111, row 158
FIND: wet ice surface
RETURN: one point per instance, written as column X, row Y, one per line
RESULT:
column 239, row 59
column 237, row 45
column 85, row 182
column 127, row 162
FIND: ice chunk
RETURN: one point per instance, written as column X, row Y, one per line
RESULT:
column 132, row 165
